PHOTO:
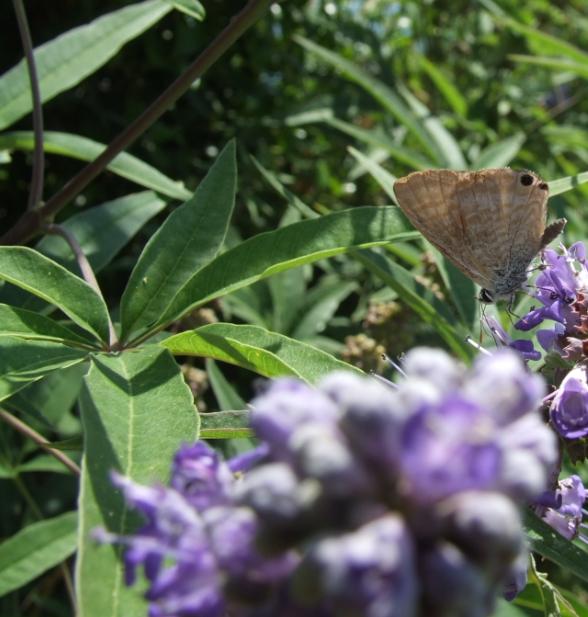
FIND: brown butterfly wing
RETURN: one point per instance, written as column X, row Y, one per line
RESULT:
column 487, row 222
column 428, row 200
column 504, row 213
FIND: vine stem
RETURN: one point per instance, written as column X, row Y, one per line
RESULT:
column 36, row 192
column 32, row 222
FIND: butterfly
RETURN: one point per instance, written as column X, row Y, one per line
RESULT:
column 489, row 223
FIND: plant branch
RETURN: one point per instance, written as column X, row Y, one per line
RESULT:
column 31, row 434
column 36, row 193
column 29, row 226
column 84, row 266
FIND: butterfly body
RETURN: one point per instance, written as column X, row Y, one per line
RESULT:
column 489, row 223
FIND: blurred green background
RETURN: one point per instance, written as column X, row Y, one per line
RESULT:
column 329, row 101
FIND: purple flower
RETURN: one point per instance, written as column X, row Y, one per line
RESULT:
column 569, row 410
column 565, row 510
column 369, row 572
column 562, row 289
column 174, row 551
column 287, row 405
column 478, row 436
column 440, row 456
column 502, row 339
column 516, row 579
column 557, row 287
column 363, row 498
column 200, row 476
column 453, row 585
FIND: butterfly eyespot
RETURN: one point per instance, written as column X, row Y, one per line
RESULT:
column 543, row 186
column 526, row 180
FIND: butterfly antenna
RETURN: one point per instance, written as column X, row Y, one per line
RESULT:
column 477, row 345
column 388, row 360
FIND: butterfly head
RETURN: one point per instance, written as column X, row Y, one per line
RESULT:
column 486, row 296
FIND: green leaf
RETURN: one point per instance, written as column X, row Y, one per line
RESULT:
column 292, row 199
column 446, row 144
column 22, row 361
column 507, row 609
column 459, row 287
column 190, row 7
column 35, row 549
column 46, row 279
column 84, row 149
column 321, row 304
column 541, row 42
column 67, row 59
column 562, row 185
column 43, row 463
column 451, row 94
column 190, row 238
column 31, row 325
column 427, row 307
column 547, row 542
column 103, row 231
column 136, row 410
column 381, row 93
column 500, row 153
column 51, row 399
column 226, row 395
column 275, row 251
column 254, row 348
column 378, row 139
column 580, row 69
column 225, row 425
column 384, row 178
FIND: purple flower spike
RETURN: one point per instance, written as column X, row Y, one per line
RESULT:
column 370, row 572
column 287, row 405
column 439, row 456
column 363, row 498
column 569, row 410
column 565, row 515
column 200, row 476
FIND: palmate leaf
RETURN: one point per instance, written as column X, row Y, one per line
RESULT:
column 188, row 240
column 136, row 411
column 66, row 60
column 254, row 348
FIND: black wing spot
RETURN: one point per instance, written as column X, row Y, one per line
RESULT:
column 543, row 186
column 526, row 180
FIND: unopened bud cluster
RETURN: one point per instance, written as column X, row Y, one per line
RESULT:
column 363, row 500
